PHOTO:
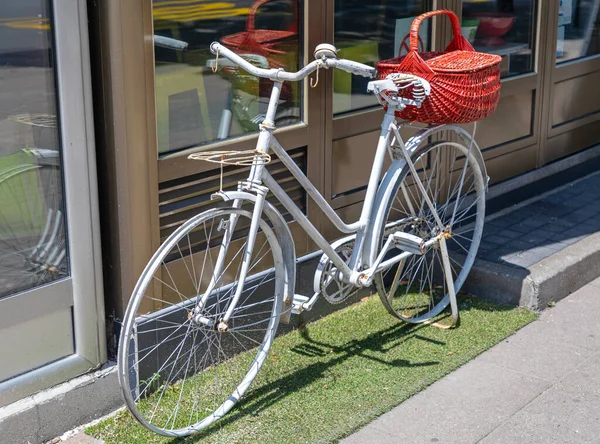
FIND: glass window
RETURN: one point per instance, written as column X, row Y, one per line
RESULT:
column 503, row 27
column 33, row 243
column 578, row 29
column 196, row 106
column 368, row 31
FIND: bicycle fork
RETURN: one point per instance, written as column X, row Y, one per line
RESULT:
column 229, row 227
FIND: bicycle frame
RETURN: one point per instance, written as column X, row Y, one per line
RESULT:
column 361, row 268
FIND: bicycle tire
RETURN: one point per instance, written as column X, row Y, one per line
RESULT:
column 208, row 370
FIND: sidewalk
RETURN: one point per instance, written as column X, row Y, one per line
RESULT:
column 541, row 385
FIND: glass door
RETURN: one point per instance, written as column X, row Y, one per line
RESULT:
column 574, row 72
column 42, row 232
column 511, row 29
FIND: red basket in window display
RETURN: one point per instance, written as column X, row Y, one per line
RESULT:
column 274, row 45
column 492, row 26
column 465, row 84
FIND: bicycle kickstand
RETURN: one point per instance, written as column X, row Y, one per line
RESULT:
column 450, row 285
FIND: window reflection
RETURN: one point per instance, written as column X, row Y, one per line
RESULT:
column 196, row 106
column 368, row 32
column 578, row 29
column 505, row 28
column 33, row 247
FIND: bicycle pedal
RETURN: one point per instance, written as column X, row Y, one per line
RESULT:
column 409, row 242
column 299, row 301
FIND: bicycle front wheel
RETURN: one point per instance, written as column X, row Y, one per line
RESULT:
column 416, row 290
column 179, row 373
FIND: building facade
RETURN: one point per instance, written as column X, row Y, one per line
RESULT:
column 111, row 99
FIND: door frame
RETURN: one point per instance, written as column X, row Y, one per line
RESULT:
column 83, row 289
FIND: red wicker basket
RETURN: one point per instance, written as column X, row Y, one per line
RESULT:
column 274, row 45
column 465, row 84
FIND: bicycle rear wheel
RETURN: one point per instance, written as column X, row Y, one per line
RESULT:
column 178, row 372
column 416, row 291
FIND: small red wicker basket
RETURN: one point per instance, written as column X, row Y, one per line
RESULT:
column 274, row 45
column 465, row 84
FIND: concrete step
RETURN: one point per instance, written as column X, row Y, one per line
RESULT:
column 541, row 250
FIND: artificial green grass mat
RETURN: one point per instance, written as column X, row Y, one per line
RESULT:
column 330, row 378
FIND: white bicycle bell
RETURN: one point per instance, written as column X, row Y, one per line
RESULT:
column 325, row 51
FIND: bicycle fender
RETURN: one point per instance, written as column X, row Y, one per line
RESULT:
column 391, row 175
column 286, row 242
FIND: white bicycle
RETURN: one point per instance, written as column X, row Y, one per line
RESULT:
column 205, row 311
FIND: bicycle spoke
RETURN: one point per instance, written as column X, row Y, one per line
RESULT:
column 457, row 196
column 204, row 366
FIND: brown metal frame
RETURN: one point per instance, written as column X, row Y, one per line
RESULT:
column 126, row 122
column 562, row 139
column 126, row 118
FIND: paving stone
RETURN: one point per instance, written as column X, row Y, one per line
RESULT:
column 509, row 234
column 501, row 254
column 537, row 238
column 554, row 199
column 578, row 217
column 591, row 225
column 491, row 256
column 573, row 202
column 519, row 245
column 510, row 258
column 524, row 260
column 532, row 352
column 575, row 238
column 559, row 226
column 536, row 221
column 483, row 247
column 463, row 407
column 575, row 320
column 588, row 211
column 542, row 252
column 554, row 244
column 567, row 241
column 568, row 412
column 558, row 211
column 522, row 228
column 498, row 240
column 494, row 224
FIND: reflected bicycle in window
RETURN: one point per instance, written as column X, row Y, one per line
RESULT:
column 33, row 247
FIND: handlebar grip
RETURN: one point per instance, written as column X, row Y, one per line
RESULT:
column 354, row 67
column 167, row 42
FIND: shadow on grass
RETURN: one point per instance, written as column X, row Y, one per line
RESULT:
column 277, row 391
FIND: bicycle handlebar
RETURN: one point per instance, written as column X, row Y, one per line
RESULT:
column 281, row 75
column 353, row 67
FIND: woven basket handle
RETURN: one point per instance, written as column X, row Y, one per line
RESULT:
column 457, row 42
column 405, row 44
column 251, row 16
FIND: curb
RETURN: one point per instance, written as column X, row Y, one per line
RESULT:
column 549, row 280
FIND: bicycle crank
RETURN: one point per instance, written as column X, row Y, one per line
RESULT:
column 328, row 281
